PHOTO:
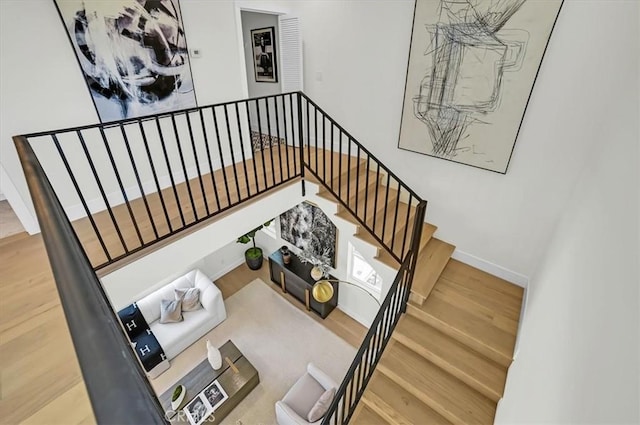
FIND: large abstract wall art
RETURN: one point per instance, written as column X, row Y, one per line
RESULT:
column 133, row 55
column 308, row 228
column 472, row 66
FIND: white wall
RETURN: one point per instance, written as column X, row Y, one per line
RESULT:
column 43, row 88
column 361, row 50
column 252, row 21
column 578, row 360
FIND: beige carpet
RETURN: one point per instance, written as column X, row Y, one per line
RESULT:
column 277, row 338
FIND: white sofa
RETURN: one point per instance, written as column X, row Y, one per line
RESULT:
column 176, row 337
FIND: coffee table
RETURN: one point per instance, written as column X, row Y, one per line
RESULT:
column 237, row 377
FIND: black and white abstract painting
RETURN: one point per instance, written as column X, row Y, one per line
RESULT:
column 308, row 228
column 133, row 54
column 472, row 66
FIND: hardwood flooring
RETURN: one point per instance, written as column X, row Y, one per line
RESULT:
column 40, row 379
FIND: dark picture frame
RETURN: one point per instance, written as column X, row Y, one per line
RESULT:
column 137, row 63
column 265, row 61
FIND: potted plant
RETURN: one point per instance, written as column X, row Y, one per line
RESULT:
column 253, row 255
column 178, row 396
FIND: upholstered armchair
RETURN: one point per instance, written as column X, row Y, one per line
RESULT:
column 308, row 399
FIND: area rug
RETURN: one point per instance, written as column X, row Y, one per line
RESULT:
column 277, row 338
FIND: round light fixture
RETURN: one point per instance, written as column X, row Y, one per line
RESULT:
column 322, row 291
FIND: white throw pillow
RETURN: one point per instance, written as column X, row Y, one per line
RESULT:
column 322, row 405
column 190, row 298
column 170, row 311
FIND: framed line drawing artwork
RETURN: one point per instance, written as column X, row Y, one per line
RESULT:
column 133, row 55
column 264, row 55
column 472, row 67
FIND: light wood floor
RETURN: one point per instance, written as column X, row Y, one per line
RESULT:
column 40, row 380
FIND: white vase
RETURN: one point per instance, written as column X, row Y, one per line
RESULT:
column 214, row 356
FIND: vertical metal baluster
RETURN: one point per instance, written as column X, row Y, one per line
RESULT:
column 386, row 206
column 331, row 153
column 137, row 176
column 348, row 171
column 184, row 167
column 406, row 228
column 301, row 144
column 375, row 200
column 155, row 176
column 244, row 159
column 273, row 171
column 233, row 157
column 395, row 219
column 253, row 152
column 120, row 185
column 224, row 171
column 315, row 130
column 170, row 171
column 195, row 157
column 212, row 171
column 264, row 165
column 324, row 150
column 357, row 178
column 308, row 137
column 101, row 189
column 82, row 200
column 293, row 135
column 340, row 164
column 366, row 190
column 275, row 103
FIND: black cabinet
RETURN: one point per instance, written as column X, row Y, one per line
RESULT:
column 295, row 278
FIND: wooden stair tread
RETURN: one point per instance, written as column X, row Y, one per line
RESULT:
column 396, row 405
column 431, row 262
column 363, row 415
column 447, row 395
column 467, row 328
column 474, row 369
column 484, row 288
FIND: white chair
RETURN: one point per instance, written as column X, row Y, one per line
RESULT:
column 295, row 406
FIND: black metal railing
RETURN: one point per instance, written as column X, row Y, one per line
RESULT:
column 394, row 305
column 368, row 189
column 151, row 178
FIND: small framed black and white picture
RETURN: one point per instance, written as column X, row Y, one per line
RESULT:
column 264, row 55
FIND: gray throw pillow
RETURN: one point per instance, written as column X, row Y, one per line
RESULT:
column 322, row 405
column 170, row 311
column 190, row 298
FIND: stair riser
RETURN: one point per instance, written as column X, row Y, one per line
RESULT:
column 448, row 367
column 459, row 336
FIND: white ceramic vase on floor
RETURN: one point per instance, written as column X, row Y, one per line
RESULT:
column 214, row 356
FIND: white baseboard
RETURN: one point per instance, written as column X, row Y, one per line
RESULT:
column 357, row 317
column 494, row 269
column 28, row 221
column 232, row 265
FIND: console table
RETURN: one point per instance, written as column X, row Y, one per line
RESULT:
column 295, row 278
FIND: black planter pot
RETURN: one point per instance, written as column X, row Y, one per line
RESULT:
column 254, row 263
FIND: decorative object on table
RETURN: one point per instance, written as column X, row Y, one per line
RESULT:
column 214, row 356
column 471, row 71
column 253, row 255
column 205, row 403
column 178, row 396
column 323, row 290
column 133, row 55
column 308, row 228
column 286, row 254
column 264, row 55
column 321, row 263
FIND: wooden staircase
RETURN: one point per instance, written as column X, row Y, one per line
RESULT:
column 448, row 357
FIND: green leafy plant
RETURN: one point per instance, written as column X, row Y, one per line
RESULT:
column 253, row 252
column 176, row 393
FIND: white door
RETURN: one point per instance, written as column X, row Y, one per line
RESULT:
column 290, row 53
